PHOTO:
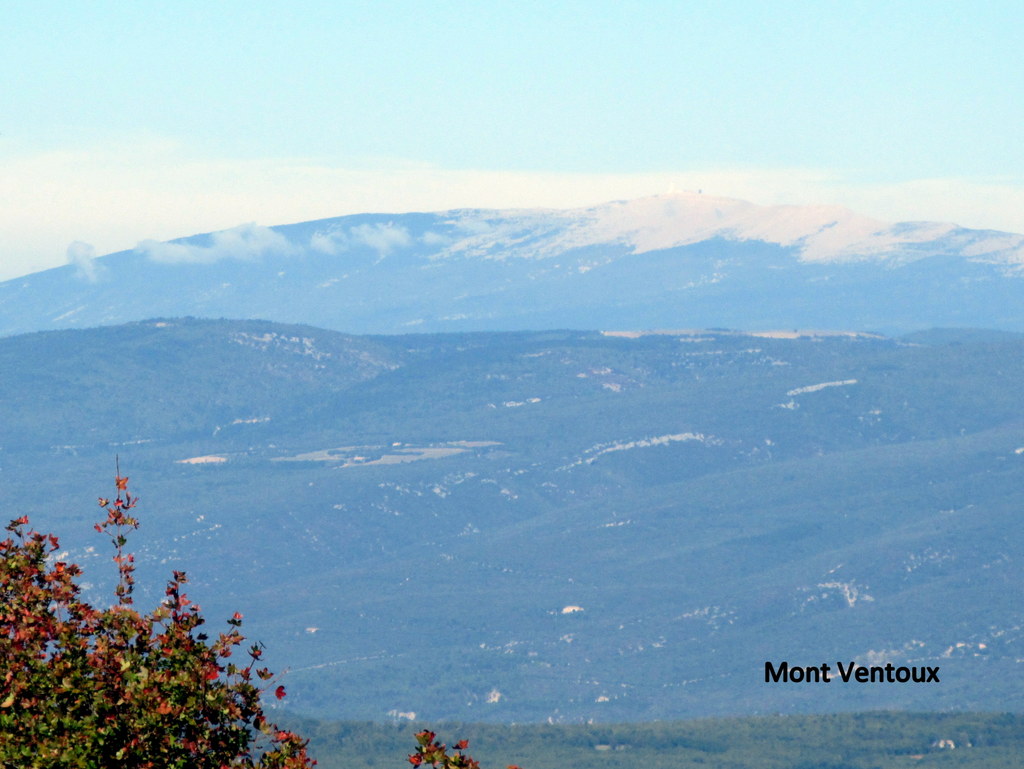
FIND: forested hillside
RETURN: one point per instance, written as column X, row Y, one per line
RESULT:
column 558, row 525
column 851, row 741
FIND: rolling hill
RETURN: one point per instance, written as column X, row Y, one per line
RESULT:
column 561, row 525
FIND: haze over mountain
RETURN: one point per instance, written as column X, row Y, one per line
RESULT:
column 671, row 261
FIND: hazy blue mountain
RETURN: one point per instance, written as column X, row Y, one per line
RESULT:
column 553, row 525
column 673, row 261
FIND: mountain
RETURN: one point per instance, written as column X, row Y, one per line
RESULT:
column 671, row 261
column 561, row 525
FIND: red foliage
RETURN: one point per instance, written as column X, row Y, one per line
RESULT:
column 88, row 687
column 430, row 751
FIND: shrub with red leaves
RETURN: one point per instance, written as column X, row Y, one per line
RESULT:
column 430, row 751
column 92, row 688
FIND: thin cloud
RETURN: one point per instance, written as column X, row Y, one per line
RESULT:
column 382, row 238
column 83, row 256
column 245, row 242
column 431, row 238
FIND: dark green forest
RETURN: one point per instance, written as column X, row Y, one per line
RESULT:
column 874, row 740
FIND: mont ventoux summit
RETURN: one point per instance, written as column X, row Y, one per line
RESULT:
column 672, row 261
column 467, row 468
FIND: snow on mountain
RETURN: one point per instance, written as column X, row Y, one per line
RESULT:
column 820, row 233
column 681, row 260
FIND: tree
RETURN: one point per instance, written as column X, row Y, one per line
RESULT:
column 95, row 688
column 430, row 751
column 88, row 688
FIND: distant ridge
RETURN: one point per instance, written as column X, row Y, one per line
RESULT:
column 671, row 261
column 794, row 334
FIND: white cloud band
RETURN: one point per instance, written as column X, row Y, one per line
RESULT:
column 382, row 238
column 244, row 242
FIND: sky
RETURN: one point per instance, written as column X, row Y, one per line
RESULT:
column 129, row 121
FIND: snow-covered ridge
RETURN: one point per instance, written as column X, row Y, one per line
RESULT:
column 821, row 233
column 818, row 233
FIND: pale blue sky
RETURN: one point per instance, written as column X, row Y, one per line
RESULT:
column 121, row 121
